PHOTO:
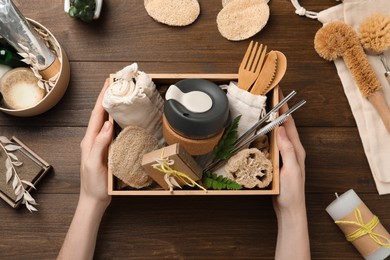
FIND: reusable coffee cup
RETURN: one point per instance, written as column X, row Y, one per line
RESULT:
column 196, row 112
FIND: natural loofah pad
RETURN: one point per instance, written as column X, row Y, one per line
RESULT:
column 173, row 12
column 250, row 168
column 262, row 143
column 225, row 2
column 241, row 19
column 126, row 155
column 375, row 32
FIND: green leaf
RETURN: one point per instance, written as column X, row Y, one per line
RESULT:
column 223, row 150
column 87, row 17
column 79, row 3
column 83, row 9
column 90, row 2
column 81, row 13
column 218, row 182
column 73, row 12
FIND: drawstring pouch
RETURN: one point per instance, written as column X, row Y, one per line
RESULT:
column 375, row 138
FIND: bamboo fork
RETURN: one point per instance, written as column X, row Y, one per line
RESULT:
column 251, row 65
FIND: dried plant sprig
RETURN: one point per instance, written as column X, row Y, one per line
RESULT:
column 31, row 59
column 11, row 163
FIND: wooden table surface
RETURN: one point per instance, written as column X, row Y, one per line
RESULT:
column 199, row 227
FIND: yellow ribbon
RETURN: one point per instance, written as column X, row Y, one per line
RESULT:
column 365, row 229
column 164, row 165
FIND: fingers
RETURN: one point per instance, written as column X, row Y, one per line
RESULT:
column 100, row 146
column 286, row 149
column 98, row 114
column 98, row 117
column 292, row 133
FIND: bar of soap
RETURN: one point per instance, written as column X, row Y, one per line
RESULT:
column 20, row 89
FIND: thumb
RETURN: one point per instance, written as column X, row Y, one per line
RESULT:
column 102, row 141
column 286, row 148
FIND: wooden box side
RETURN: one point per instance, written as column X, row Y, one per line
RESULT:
column 274, row 151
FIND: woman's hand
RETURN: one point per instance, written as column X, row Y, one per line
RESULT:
column 81, row 237
column 94, row 156
column 292, row 173
column 289, row 205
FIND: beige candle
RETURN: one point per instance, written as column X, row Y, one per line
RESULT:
column 361, row 227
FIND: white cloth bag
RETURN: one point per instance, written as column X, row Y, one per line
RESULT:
column 134, row 100
column 375, row 138
column 250, row 107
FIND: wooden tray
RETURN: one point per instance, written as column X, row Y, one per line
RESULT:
column 273, row 189
column 33, row 177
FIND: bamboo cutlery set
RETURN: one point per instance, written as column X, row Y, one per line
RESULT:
column 260, row 71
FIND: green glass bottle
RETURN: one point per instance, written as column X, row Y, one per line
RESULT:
column 9, row 56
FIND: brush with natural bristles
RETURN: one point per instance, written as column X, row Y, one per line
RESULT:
column 374, row 33
column 337, row 39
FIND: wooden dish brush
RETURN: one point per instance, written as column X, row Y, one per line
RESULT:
column 337, row 39
column 374, row 34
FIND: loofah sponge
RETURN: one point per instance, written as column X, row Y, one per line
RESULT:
column 250, row 168
column 173, row 12
column 126, row 155
column 337, row 39
column 241, row 19
column 225, row 2
column 374, row 32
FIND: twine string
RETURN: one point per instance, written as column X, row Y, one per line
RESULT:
column 163, row 164
column 365, row 229
column 299, row 10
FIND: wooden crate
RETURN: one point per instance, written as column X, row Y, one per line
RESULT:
column 273, row 189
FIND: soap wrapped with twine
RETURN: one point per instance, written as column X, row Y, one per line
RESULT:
column 172, row 167
column 164, row 164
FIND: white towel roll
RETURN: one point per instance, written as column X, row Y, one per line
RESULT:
column 134, row 100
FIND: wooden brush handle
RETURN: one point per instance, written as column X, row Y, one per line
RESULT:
column 387, row 74
column 379, row 102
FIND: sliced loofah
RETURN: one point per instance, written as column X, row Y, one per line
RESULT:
column 374, row 32
column 262, row 143
column 337, row 39
column 225, row 2
column 250, row 168
column 173, row 12
column 241, row 19
column 126, row 155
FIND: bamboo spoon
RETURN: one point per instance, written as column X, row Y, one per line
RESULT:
column 280, row 71
column 337, row 39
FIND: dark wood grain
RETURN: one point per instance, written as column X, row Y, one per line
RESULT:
column 206, row 227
